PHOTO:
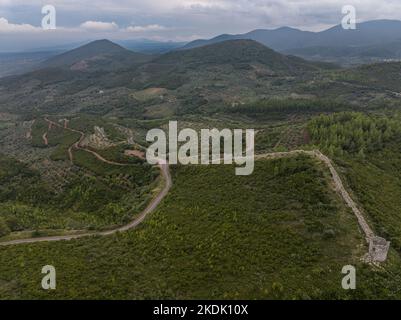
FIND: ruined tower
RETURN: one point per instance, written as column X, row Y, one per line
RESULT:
column 378, row 249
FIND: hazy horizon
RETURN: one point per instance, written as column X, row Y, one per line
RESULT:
column 178, row 20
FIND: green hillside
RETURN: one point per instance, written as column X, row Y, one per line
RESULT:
column 100, row 53
column 379, row 76
column 236, row 52
column 92, row 195
column 280, row 233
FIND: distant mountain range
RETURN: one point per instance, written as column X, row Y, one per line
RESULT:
column 372, row 40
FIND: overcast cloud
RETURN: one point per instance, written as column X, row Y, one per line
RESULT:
column 177, row 20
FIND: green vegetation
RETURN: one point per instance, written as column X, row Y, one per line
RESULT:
column 4, row 228
column 6, row 125
column 280, row 233
column 100, row 197
column 352, row 133
column 375, row 181
column 366, row 148
column 63, row 140
column 134, row 170
column 18, row 182
column 86, row 123
column 38, row 129
column 379, row 76
column 117, row 154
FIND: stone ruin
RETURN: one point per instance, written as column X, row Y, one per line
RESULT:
column 378, row 249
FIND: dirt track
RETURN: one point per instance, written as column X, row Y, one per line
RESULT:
column 164, row 167
column 167, row 184
column 45, row 140
column 339, row 187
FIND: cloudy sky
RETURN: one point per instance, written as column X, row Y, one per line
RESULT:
column 176, row 20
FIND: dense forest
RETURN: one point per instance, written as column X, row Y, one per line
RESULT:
column 352, row 132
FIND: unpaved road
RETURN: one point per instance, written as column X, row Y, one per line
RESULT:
column 77, row 145
column 339, row 186
column 45, row 140
column 164, row 167
column 167, row 184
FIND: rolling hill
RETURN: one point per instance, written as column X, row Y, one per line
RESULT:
column 100, row 54
column 224, row 64
column 236, row 52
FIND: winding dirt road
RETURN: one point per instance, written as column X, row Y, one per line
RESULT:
column 167, row 184
column 166, row 181
column 164, row 167
column 77, row 145
column 45, row 140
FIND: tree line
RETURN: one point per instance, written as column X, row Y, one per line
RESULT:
column 352, row 132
